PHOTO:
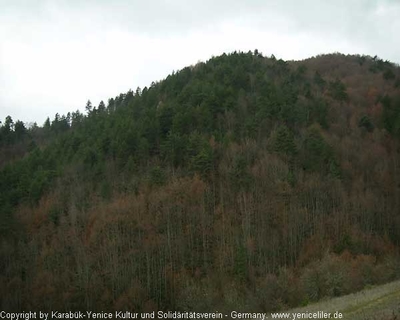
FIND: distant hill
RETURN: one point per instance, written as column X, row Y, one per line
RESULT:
column 242, row 183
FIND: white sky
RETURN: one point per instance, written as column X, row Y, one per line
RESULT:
column 55, row 55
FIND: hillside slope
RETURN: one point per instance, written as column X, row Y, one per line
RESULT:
column 243, row 182
column 381, row 303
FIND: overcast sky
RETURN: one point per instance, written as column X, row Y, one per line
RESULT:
column 55, row 55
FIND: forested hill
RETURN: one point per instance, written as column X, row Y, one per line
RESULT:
column 245, row 182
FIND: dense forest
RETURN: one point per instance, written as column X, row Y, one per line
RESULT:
column 244, row 182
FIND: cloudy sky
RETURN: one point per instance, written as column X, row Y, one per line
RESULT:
column 55, row 55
